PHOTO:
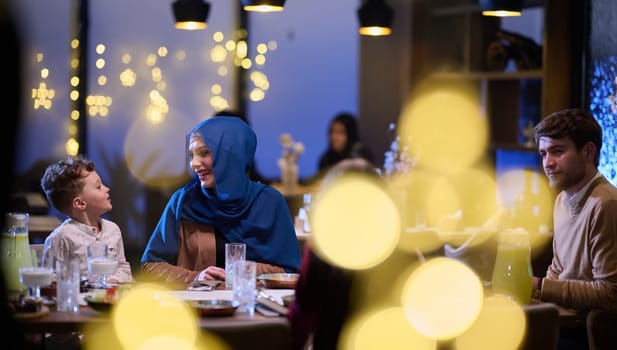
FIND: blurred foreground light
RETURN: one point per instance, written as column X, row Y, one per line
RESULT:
column 356, row 224
column 446, row 128
column 151, row 161
column 442, row 298
column 501, row 325
column 383, row 329
column 149, row 317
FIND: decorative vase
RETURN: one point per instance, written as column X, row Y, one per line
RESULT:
column 289, row 178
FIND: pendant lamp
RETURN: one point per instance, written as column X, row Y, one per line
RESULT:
column 190, row 14
column 375, row 18
column 501, row 8
column 263, row 5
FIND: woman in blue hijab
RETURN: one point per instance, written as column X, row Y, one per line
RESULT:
column 220, row 205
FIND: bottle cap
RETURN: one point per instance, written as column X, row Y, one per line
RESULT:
column 16, row 220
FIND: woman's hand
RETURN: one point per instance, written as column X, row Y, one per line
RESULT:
column 211, row 273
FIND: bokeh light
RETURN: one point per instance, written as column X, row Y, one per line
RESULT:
column 147, row 317
column 465, row 198
column 442, row 298
column 500, row 325
column 155, row 163
column 355, row 223
column 529, row 199
column 529, row 195
column 383, row 329
column 444, row 128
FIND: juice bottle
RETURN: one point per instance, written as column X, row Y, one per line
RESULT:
column 512, row 273
column 15, row 249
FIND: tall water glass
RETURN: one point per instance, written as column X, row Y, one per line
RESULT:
column 244, row 285
column 67, row 285
column 233, row 252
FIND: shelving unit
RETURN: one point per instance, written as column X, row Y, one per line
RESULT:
column 451, row 39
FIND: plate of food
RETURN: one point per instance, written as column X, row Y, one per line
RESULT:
column 279, row 280
column 27, row 307
column 215, row 307
column 100, row 305
column 103, row 300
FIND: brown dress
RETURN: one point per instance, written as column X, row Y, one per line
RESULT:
column 196, row 252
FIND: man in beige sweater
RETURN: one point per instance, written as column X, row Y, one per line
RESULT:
column 583, row 272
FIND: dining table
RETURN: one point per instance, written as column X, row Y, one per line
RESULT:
column 238, row 330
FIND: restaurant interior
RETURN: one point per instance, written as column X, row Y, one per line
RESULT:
column 122, row 83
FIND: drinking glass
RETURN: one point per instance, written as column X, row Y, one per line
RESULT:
column 100, row 264
column 67, row 284
column 233, row 252
column 35, row 277
column 244, row 285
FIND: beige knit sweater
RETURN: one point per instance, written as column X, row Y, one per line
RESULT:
column 583, row 273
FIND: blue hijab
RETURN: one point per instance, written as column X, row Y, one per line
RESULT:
column 239, row 209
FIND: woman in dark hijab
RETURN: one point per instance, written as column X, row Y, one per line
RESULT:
column 220, row 205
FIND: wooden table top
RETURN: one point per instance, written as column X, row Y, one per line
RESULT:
column 239, row 330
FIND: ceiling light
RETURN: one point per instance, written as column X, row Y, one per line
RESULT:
column 375, row 18
column 501, row 8
column 190, row 14
column 263, row 5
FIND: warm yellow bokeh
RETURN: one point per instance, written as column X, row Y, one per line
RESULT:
column 158, row 164
column 355, row 223
column 500, row 326
column 465, row 198
column 442, row 298
column 149, row 315
column 383, row 329
column 530, row 199
column 444, row 128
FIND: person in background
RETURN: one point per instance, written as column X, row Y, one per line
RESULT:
column 74, row 188
column 583, row 271
column 253, row 172
column 343, row 143
column 220, row 204
column 326, row 296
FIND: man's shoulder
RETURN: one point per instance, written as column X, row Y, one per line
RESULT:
column 605, row 190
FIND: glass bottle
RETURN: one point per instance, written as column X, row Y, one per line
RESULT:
column 512, row 273
column 303, row 213
column 15, row 249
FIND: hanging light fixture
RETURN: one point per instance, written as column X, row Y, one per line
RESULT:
column 375, row 18
column 190, row 14
column 263, row 5
column 501, row 8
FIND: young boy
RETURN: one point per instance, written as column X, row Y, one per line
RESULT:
column 74, row 188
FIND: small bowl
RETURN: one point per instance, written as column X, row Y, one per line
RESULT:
column 99, row 305
column 215, row 307
column 279, row 280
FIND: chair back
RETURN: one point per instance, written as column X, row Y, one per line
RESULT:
column 542, row 327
